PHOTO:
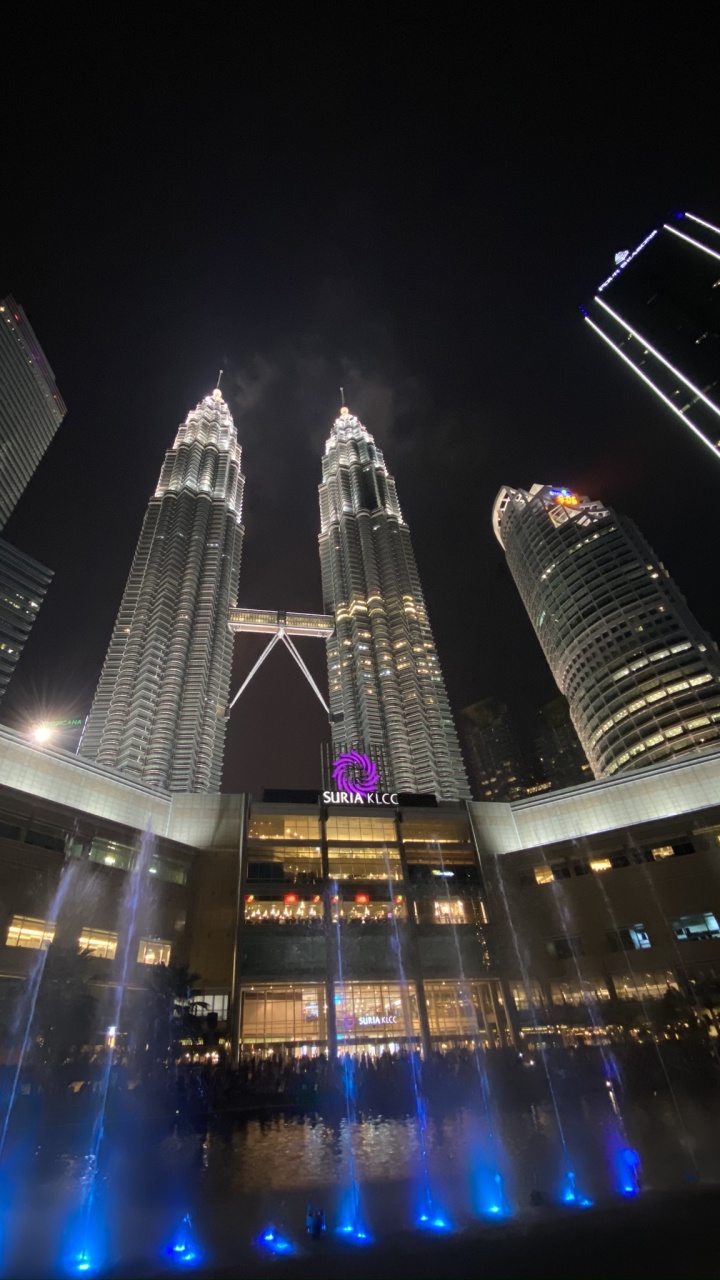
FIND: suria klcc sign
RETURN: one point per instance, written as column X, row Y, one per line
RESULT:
column 357, row 780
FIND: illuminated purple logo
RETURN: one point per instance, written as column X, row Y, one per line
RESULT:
column 355, row 773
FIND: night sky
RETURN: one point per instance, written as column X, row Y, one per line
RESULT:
column 312, row 195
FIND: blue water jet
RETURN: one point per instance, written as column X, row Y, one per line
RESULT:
column 627, row 1171
column 183, row 1247
column 124, row 957
column 273, row 1243
column 571, row 1195
column 434, row 1222
column 24, row 1016
column 488, row 1191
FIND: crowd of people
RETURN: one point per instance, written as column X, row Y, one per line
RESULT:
column 395, row 1083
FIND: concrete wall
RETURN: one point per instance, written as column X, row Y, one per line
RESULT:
column 681, row 786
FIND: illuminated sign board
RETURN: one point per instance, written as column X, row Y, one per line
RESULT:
column 564, row 498
column 356, row 777
column 350, row 1021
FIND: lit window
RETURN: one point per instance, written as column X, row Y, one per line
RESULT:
column 633, row 938
column 450, row 911
column 102, row 944
column 154, row 951
column 600, row 864
column 25, row 931
column 688, row 928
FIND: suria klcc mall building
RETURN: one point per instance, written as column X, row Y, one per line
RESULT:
column 387, row 908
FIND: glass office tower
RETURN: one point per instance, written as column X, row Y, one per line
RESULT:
column 387, row 694
column 160, row 710
column 497, row 763
column 23, row 584
column 31, row 407
column 641, row 677
column 659, row 312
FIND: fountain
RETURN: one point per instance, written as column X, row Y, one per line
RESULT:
column 492, row 1198
column 569, row 1193
column 86, row 1256
column 485, row 1138
column 429, row 1216
column 352, row 1224
column 24, row 1017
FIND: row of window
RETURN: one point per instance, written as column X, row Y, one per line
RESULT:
column 550, row 871
column 368, row 1011
column 291, row 908
column 110, row 853
column 264, row 826
column 699, row 927
column 26, row 931
column 636, row 986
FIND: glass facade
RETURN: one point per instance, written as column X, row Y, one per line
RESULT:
column 460, row 1008
column 111, row 853
column 24, row 931
column 294, row 1013
column 23, row 584
column 641, row 676
column 659, row 313
column 154, row 951
column 362, row 909
column 283, row 908
column 275, row 826
column 362, row 830
column 376, row 1011
column 31, row 408
column 101, row 943
column 364, row 863
column 374, row 933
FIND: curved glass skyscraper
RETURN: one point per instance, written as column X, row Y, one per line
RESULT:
column 641, row 677
column 159, row 714
column 387, row 695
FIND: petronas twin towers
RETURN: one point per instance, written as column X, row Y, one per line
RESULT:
column 161, row 708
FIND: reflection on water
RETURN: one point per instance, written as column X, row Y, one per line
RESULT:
column 240, row 1172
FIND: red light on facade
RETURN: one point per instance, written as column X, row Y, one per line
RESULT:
column 362, row 897
column 316, row 898
column 290, row 897
column 249, row 897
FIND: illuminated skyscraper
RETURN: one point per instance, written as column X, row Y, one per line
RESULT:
column 160, row 710
column 641, row 677
column 387, row 695
column 659, row 312
column 31, row 408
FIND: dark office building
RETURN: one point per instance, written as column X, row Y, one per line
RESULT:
column 562, row 759
column 23, row 584
column 659, row 311
column 497, row 764
column 31, row 407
